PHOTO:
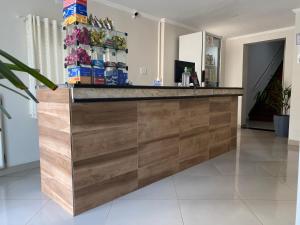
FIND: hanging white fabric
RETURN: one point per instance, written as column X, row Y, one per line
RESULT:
column 45, row 51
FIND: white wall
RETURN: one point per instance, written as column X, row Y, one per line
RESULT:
column 191, row 50
column 295, row 106
column 234, row 51
column 171, row 51
column 21, row 133
column 296, row 92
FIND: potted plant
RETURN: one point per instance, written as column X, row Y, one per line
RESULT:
column 6, row 72
column 282, row 118
column 276, row 97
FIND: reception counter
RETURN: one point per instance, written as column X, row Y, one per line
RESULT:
column 99, row 143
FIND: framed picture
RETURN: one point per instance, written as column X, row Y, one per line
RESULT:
column 298, row 39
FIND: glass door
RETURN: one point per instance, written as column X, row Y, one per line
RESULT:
column 212, row 60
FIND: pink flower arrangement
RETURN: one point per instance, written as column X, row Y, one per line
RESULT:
column 80, row 35
column 79, row 55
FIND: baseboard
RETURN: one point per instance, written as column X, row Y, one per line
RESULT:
column 20, row 168
column 294, row 142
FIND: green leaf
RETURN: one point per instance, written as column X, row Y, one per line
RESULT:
column 9, row 75
column 13, row 67
column 5, row 72
column 2, row 109
column 23, row 67
column 8, row 88
column 31, row 96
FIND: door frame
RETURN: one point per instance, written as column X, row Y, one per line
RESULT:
column 245, row 74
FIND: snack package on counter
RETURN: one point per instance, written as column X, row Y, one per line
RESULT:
column 109, row 43
column 67, row 3
column 76, row 18
column 122, row 77
column 111, row 76
column 110, row 58
column 97, row 37
column 75, row 9
column 75, row 13
column 107, row 22
column 120, row 43
column 98, row 57
column 80, row 74
column 98, row 76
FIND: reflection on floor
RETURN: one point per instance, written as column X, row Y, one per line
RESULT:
column 254, row 185
column 261, row 125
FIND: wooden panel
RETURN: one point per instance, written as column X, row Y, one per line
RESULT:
column 220, row 119
column 157, row 160
column 55, row 146
column 92, row 171
column 157, row 171
column 104, row 141
column 100, row 193
column 103, row 128
column 194, row 149
column 104, row 147
column 101, row 115
column 158, row 135
column 157, row 120
column 220, row 125
column 57, row 191
column 96, row 152
column 194, row 132
column 150, row 153
column 194, row 113
column 234, row 122
column 61, row 95
column 220, row 105
column 220, row 140
column 219, row 148
column 57, row 165
column 57, row 141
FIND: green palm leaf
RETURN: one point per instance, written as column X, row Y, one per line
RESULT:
column 6, row 72
column 13, row 67
column 10, row 89
column 9, row 75
column 23, row 67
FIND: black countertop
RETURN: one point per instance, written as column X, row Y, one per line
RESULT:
column 146, row 87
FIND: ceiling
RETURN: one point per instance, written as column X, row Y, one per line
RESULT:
column 222, row 17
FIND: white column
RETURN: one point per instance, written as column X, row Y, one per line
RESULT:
column 55, row 48
column 47, row 48
column 162, row 49
column 31, row 54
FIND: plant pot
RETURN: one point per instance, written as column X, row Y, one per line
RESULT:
column 281, row 125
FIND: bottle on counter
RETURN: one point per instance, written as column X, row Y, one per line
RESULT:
column 185, row 79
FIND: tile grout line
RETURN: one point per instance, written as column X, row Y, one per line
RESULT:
column 177, row 199
column 244, row 202
column 37, row 212
column 108, row 213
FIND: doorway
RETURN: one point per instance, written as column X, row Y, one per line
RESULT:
column 262, row 73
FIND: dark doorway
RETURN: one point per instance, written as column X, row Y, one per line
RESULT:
column 263, row 71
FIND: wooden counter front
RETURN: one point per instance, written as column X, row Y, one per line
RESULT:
column 92, row 153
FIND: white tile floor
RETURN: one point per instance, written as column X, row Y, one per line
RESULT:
column 254, row 185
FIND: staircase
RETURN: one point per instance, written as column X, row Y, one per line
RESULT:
column 261, row 111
